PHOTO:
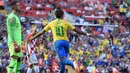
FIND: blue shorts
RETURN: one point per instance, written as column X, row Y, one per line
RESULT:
column 62, row 48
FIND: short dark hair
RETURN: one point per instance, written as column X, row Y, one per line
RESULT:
column 59, row 13
column 14, row 4
column 14, row 7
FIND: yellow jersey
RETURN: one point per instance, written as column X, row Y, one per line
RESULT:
column 81, row 52
column 100, row 21
column 59, row 29
column 101, row 48
column 91, row 61
column 44, row 22
column 104, row 42
column 45, row 57
column 121, row 9
column 88, row 53
column 81, row 67
column 115, row 41
column 97, row 52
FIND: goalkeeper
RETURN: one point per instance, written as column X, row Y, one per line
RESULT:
column 14, row 39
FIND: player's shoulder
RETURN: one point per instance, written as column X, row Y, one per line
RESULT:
column 52, row 22
column 55, row 21
column 11, row 15
column 65, row 21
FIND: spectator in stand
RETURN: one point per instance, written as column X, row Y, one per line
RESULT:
column 28, row 5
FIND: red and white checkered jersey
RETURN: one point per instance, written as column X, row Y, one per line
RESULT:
column 31, row 45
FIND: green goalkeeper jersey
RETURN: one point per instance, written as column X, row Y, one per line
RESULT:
column 13, row 29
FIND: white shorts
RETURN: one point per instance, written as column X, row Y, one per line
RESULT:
column 32, row 59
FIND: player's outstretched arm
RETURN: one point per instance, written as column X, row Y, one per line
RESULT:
column 80, row 32
column 37, row 35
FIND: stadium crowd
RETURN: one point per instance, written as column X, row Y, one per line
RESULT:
column 106, row 50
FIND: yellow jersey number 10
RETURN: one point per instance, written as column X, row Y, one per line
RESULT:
column 59, row 31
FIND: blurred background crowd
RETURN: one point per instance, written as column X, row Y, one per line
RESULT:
column 106, row 50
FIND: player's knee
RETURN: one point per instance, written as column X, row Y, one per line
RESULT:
column 19, row 59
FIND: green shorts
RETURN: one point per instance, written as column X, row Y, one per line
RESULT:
column 12, row 52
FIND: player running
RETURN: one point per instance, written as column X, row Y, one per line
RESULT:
column 31, row 56
column 59, row 29
column 14, row 39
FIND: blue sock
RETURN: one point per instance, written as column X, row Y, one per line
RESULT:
column 67, row 62
column 62, row 68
